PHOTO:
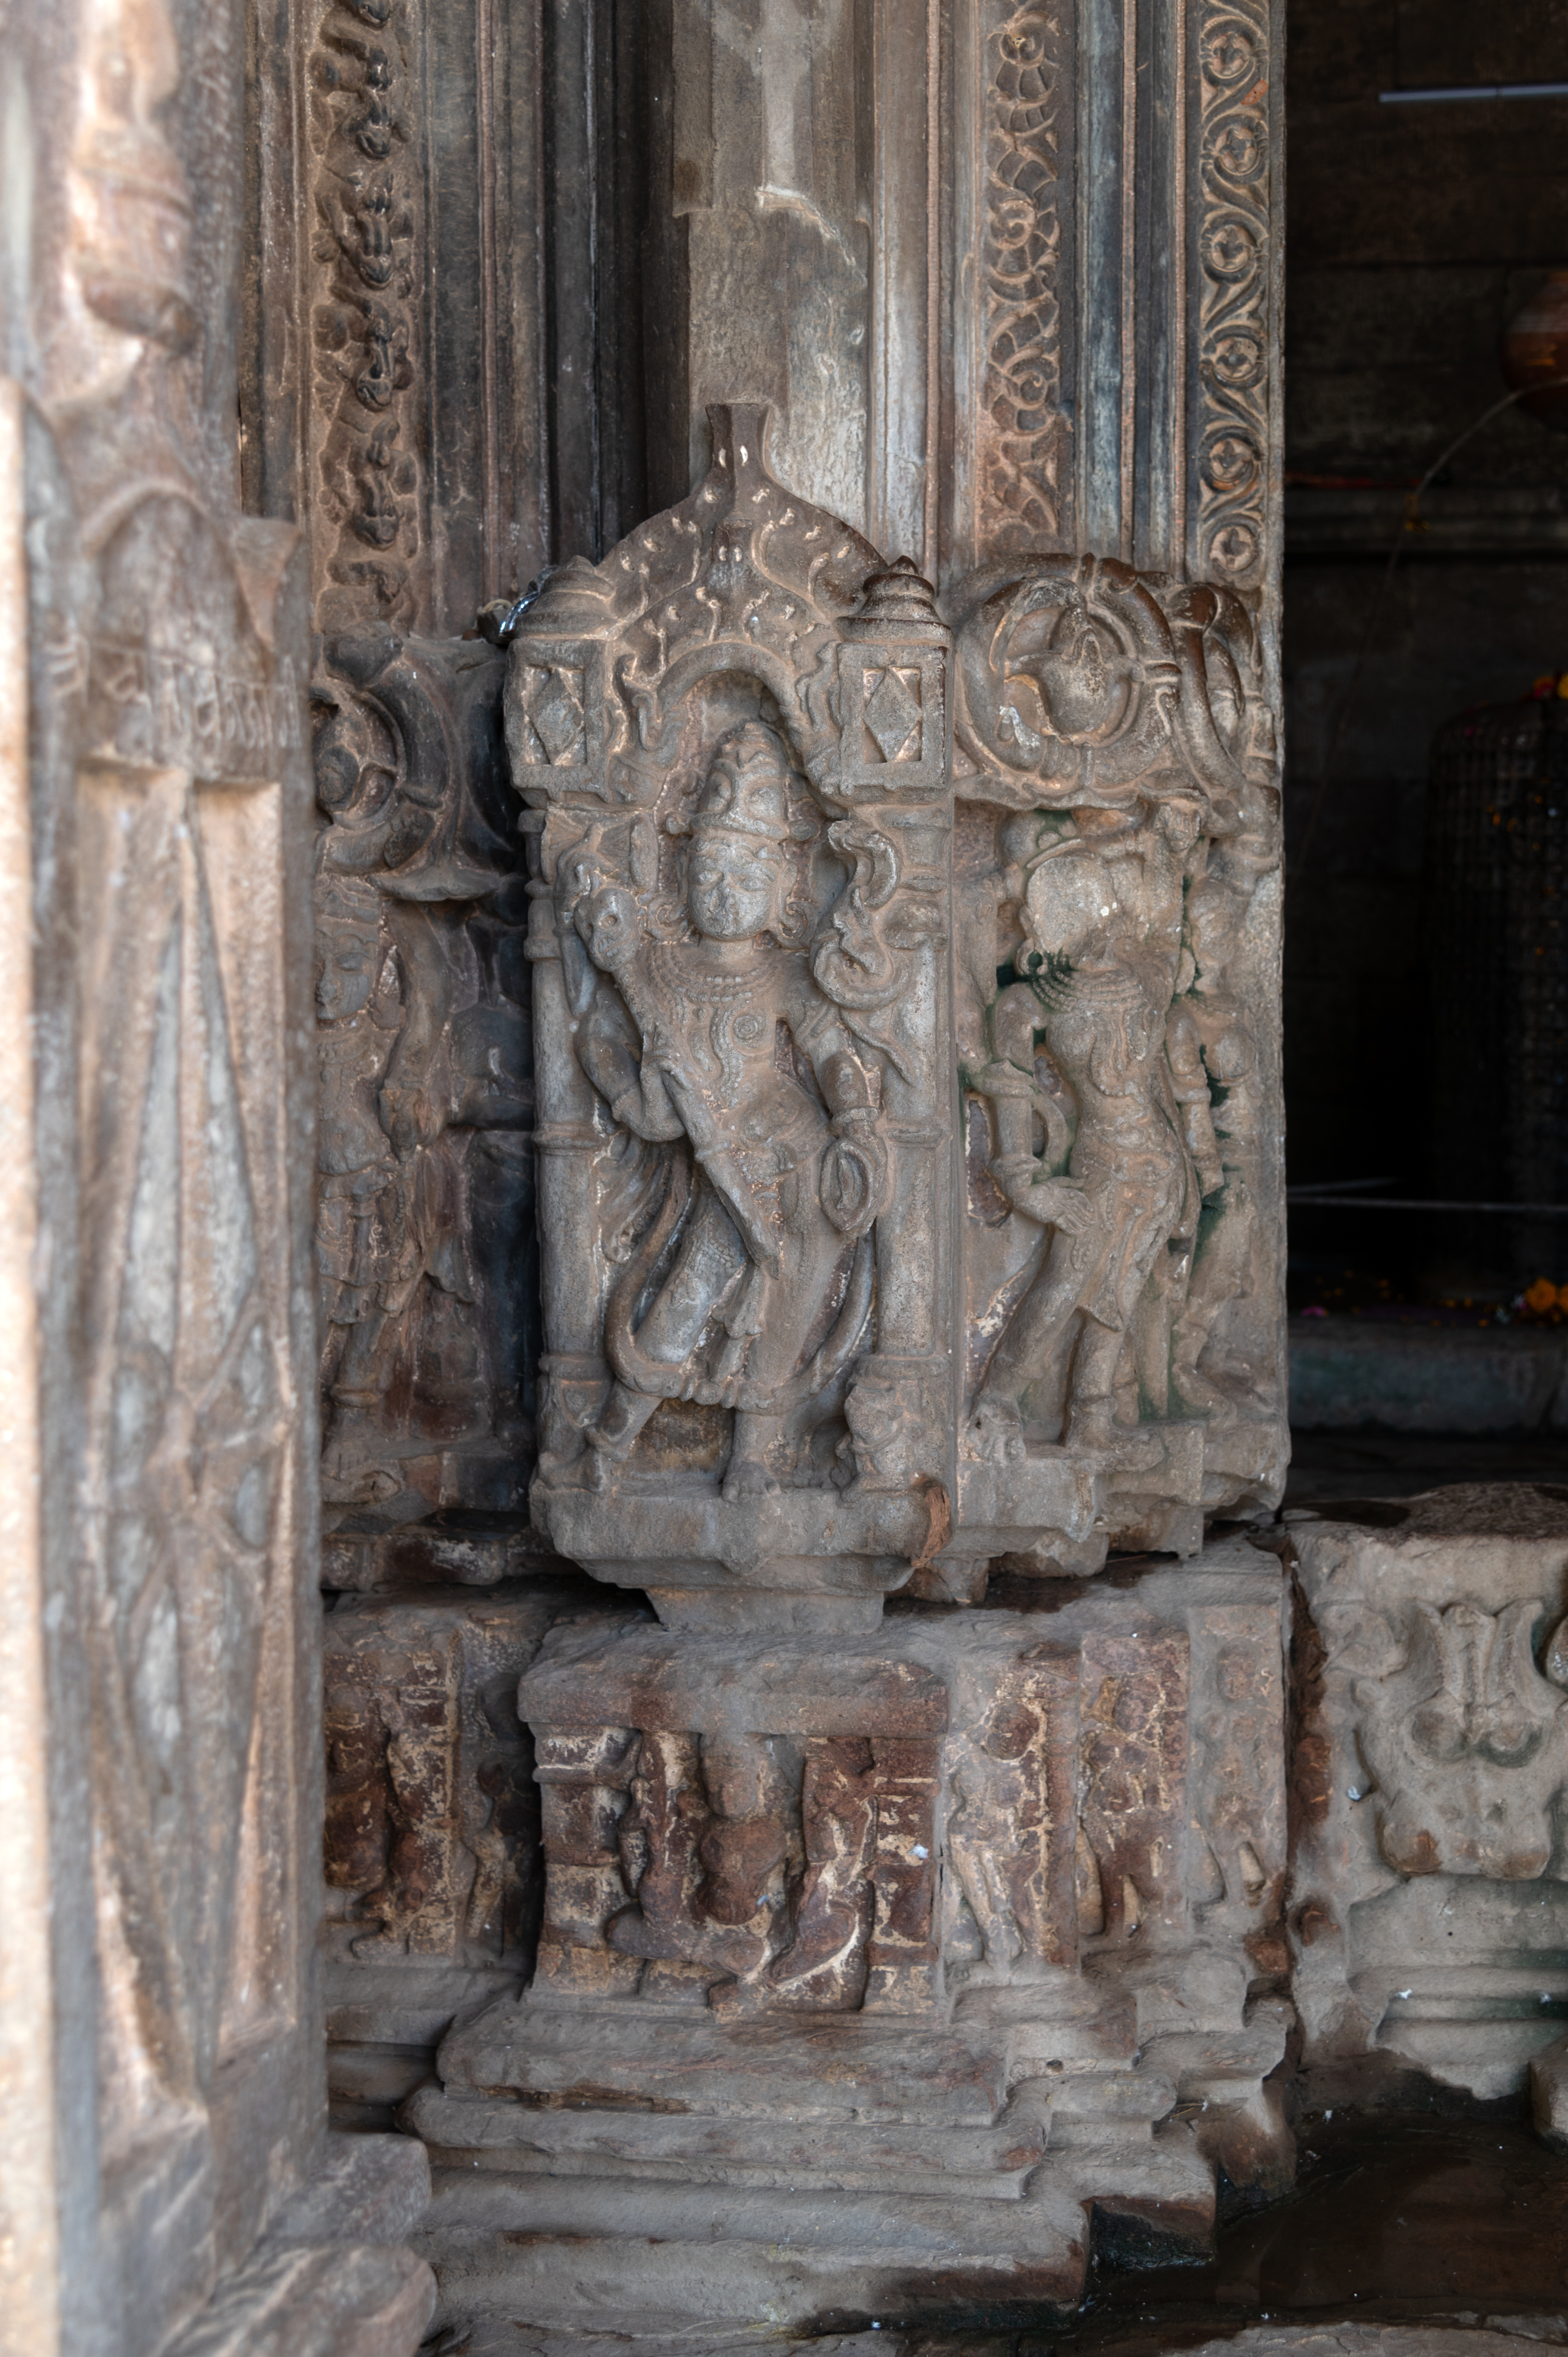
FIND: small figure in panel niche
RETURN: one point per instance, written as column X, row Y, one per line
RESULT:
column 734, row 1047
column 1099, row 959
column 1212, row 1034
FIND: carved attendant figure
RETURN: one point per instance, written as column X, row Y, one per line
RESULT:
column 1143, row 1152
column 1212, row 1037
column 728, row 1026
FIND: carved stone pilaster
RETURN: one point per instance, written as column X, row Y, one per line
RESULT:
column 167, row 829
column 389, row 398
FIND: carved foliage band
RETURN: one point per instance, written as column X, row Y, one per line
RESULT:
column 1025, row 497
column 364, row 318
column 1234, row 260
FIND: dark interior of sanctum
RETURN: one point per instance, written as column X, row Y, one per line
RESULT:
column 784, row 1210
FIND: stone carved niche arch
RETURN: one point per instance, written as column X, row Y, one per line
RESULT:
column 743, row 1100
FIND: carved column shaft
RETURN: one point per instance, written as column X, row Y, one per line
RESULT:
column 1041, row 244
column 164, row 825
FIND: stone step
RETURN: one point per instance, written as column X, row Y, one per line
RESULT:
column 1345, row 1372
column 584, row 2255
column 805, row 2067
column 978, row 2164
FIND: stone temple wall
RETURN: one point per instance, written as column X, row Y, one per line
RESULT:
column 739, row 649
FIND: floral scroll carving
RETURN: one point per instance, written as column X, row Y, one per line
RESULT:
column 1024, row 495
column 1233, row 246
column 364, row 327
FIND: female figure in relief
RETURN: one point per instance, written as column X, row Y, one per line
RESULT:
column 1098, row 980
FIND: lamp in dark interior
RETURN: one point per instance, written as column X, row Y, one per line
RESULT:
column 1534, row 351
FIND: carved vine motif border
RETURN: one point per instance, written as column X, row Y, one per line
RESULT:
column 1023, row 481
column 365, row 325
column 1234, row 261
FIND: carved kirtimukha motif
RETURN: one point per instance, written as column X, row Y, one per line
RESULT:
column 1431, row 1875
column 734, row 736
column 1121, row 813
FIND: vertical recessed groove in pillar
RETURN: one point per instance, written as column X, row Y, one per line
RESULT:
column 571, row 189
column 1135, row 174
column 1173, row 276
column 968, row 287
column 435, row 571
column 621, row 301
column 901, row 191
column 929, row 553
column 1100, row 274
column 1159, row 459
column 591, row 391
column 489, row 301
column 526, row 490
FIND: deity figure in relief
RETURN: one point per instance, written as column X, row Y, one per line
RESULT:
column 758, row 1258
column 1121, row 1196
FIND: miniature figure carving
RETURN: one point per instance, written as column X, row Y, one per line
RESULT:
column 1214, row 1044
column 733, row 1047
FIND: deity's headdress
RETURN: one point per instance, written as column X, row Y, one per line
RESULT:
column 746, row 791
column 349, row 900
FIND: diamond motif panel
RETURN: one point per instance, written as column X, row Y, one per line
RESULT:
column 893, row 716
column 555, row 709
